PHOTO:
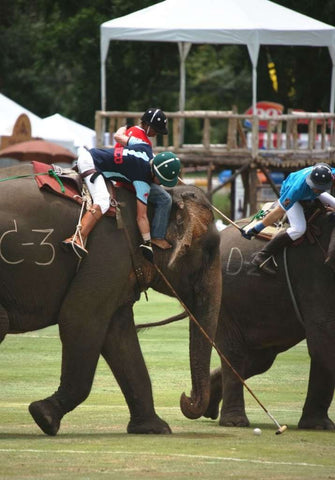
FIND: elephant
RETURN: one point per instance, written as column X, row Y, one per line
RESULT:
column 92, row 299
column 259, row 318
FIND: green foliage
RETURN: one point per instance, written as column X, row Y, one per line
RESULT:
column 50, row 62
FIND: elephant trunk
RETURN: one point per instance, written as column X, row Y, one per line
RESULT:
column 206, row 307
column 196, row 404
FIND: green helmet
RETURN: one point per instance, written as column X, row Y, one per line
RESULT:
column 166, row 167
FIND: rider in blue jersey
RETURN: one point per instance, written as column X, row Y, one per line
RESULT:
column 134, row 164
column 306, row 184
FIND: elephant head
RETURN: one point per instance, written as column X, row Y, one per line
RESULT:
column 193, row 269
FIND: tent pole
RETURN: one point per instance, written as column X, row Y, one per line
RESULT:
column 103, row 86
column 184, row 48
column 254, row 89
column 332, row 85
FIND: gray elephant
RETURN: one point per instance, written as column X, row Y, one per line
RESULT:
column 264, row 315
column 92, row 301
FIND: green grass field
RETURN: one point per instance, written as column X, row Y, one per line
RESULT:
column 93, row 444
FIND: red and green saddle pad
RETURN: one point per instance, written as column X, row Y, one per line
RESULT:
column 66, row 185
column 47, row 179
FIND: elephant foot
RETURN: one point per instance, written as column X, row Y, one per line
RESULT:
column 155, row 426
column 316, row 423
column 234, row 420
column 47, row 414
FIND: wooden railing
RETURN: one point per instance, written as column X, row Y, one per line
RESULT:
column 282, row 137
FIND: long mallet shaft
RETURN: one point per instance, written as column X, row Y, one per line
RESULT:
column 281, row 428
column 218, row 211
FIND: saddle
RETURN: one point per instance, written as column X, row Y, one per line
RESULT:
column 312, row 209
column 68, row 183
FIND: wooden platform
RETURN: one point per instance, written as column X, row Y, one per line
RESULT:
column 290, row 142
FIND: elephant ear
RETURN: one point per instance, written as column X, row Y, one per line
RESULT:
column 191, row 218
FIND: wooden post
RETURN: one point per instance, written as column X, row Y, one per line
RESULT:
column 245, row 181
column 232, row 198
column 295, row 133
column 279, row 134
column 232, row 133
column 311, row 134
column 254, row 136
column 323, row 134
column 206, row 133
column 209, row 181
column 253, row 190
column 176, row 133
column 98, row 129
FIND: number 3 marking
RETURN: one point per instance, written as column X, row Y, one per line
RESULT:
column 48, row 231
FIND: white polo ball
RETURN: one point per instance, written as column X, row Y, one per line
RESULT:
column 257, row 431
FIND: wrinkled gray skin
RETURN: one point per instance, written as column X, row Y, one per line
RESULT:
column 257, row 321
column 93, row 307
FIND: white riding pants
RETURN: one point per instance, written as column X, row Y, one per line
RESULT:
column 296, row 216
column 98, row 189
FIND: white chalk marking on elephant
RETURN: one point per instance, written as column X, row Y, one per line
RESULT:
column 239, row 268
column 148, row 454
column 42, row 243
column 14, row 230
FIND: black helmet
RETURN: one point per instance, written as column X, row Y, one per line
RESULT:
column 320, row 177
column 166, row 167
column 156, row 119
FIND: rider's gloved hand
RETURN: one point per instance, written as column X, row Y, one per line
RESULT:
column 249, row 234
column 147, row 251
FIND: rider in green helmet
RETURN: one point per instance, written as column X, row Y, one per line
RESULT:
column 135, row 165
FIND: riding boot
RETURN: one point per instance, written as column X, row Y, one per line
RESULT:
column 263, row 259
column 78, row 240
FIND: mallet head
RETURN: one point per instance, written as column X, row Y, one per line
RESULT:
column 281, row 429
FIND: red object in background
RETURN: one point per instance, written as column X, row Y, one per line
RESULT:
column 263, row 108
column 39, row 150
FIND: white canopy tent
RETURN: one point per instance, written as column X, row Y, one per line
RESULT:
column 9, row 112
column 57, row 126
column 246, row 22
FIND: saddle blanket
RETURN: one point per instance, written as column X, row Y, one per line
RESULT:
column 66, row 183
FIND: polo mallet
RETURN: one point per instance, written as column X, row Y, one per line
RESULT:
column 281, row 428
column 240, row 229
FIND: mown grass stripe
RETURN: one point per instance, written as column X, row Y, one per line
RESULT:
column 149, row 454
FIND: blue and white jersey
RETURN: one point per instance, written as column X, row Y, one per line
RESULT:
column 133, row 167
column 295, row 188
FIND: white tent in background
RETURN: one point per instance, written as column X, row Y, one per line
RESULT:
column 245, row 22
column 10, row 111
column 57, row 126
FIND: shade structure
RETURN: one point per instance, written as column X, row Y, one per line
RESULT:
column 39, row 150
column 245, row 22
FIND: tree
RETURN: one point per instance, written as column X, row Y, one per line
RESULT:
column 50, row 62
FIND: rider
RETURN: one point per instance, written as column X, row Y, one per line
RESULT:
column 153, row 122
column 134, row 165
column 306, row 184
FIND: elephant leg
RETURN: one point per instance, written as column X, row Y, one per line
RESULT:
column 215, row 394
column 122, row 352
column 4, row 323
column 319, row 397
column 233, row 406
column 81, row 347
